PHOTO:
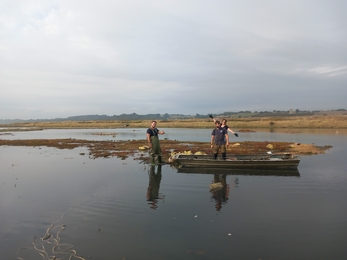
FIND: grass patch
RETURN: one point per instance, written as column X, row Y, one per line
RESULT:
column 308, row 122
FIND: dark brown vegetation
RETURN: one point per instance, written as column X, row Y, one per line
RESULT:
column 124, row 149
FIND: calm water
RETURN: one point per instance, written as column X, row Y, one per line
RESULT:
column 120, row 209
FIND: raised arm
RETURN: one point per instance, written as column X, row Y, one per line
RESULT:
column 231, row 131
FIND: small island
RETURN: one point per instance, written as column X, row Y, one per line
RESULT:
column 139, row 151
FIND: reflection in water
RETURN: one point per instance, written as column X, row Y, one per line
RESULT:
column 236, row 182
column 220, row 189
column 221, row 193
column 153, row 187
column 227, row 171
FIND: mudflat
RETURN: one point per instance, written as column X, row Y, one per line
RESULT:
column 139, row 151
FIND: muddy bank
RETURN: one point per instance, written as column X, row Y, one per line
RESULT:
column 137, row 148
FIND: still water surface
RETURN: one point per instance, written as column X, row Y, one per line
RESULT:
column 120, row 209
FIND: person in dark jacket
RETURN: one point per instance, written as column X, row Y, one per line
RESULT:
column 219, row 140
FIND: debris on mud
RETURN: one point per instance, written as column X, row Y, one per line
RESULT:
column 134, row 148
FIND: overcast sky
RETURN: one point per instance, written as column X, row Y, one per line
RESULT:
column 65, row 58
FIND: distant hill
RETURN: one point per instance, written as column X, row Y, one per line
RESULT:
column 166, row 116
column 132, row 116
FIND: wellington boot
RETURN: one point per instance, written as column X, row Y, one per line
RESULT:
column 160, row 160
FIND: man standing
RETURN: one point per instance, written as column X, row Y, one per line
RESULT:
column 153, row 142
column 219, row 140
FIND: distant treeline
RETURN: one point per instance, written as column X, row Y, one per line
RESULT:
column 166, row 116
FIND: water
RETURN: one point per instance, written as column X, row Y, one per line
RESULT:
column 182, row 134
column 120, row 209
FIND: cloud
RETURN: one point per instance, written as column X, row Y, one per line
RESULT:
column 329, row 71
column 60, row 58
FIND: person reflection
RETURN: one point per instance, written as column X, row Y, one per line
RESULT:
column 220, row 194
column 153, row 186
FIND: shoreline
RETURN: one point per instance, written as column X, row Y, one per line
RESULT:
column 275, row 123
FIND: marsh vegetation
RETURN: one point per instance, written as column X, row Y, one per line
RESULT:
column 282, row 122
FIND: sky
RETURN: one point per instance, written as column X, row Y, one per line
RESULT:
column 73, row 57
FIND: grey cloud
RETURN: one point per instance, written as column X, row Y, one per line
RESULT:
column 60, row 58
